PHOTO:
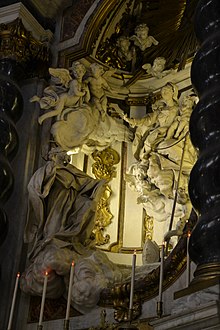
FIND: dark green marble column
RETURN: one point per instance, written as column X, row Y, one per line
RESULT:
column 24, row 63
column 204, row 186
column 11, row 106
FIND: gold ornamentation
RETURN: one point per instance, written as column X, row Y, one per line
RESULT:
column 120, row 296
column 148, row 227
column 104, row 168
column 17, row 43
column 103, row 218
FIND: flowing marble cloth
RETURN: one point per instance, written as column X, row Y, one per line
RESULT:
column 62, row 205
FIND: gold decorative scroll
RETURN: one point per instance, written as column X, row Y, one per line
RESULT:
column 103, row 218
column 104, row 168
column 148, row 227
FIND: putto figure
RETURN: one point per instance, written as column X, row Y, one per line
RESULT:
column 142, row 39
column 74, row 96
column 157, row 69
column 98, row 85
column 77, row 99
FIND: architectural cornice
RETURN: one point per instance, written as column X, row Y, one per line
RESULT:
column 18, row 10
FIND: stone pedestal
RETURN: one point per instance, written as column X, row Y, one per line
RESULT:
column 196, row 311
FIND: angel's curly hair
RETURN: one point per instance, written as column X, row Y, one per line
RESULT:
column 141, row 27
column 75, row 66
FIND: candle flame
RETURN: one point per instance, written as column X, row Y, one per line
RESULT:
column 46, row 273
column 189, row 234
column 72, row 263
column 18, row 274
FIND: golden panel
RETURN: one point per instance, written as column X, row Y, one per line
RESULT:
column 148, row 227
column 104, row 168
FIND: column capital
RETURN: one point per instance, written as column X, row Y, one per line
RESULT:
column 23, row 40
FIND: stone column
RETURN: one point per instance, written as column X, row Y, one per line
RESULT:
column 204, row 186
column 11, row 107
column 22, row 57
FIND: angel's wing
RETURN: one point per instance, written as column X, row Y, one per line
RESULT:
column 60, row 75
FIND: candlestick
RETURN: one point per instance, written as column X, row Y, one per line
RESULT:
column 66, row 325
column 43, row 299
column 161, row 271
column 159, row 308
column 132, row 282
column 187, row 260
column 69, row 292
column 13, row 302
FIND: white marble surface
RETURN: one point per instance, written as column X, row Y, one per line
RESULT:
column 201, row 317
column 78, row 323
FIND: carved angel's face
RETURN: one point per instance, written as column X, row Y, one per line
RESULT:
column 79, row 71
column 142, row 33
column 124, row 44
column 167, row 92
column 159, row 65
column 97, row 70
column 187, row 102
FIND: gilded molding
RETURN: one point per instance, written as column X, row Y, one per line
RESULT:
column 104, row 168
column 18, row 44
column 103, row 218
column 148, row 227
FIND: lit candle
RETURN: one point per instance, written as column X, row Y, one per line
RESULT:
column 13, row 302
column 161, row 271
column 132, row 280
column 187, row 260
column 43, row 298
column 69, row 291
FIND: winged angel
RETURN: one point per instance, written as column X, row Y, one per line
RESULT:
column 65, row 92
column 79, row 120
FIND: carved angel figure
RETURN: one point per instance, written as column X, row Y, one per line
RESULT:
column 126, row 52
column 80, row 107
column 75, row 94
column 142, row 39
column 98, row 85
column 157, row 69
column 165, row 156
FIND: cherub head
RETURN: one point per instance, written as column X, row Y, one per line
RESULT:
column 142, row 31
column 78, row 69
column 123, row 43
column 96, row 70
column 169, row 91
column 188, row 101
column 159, row 64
